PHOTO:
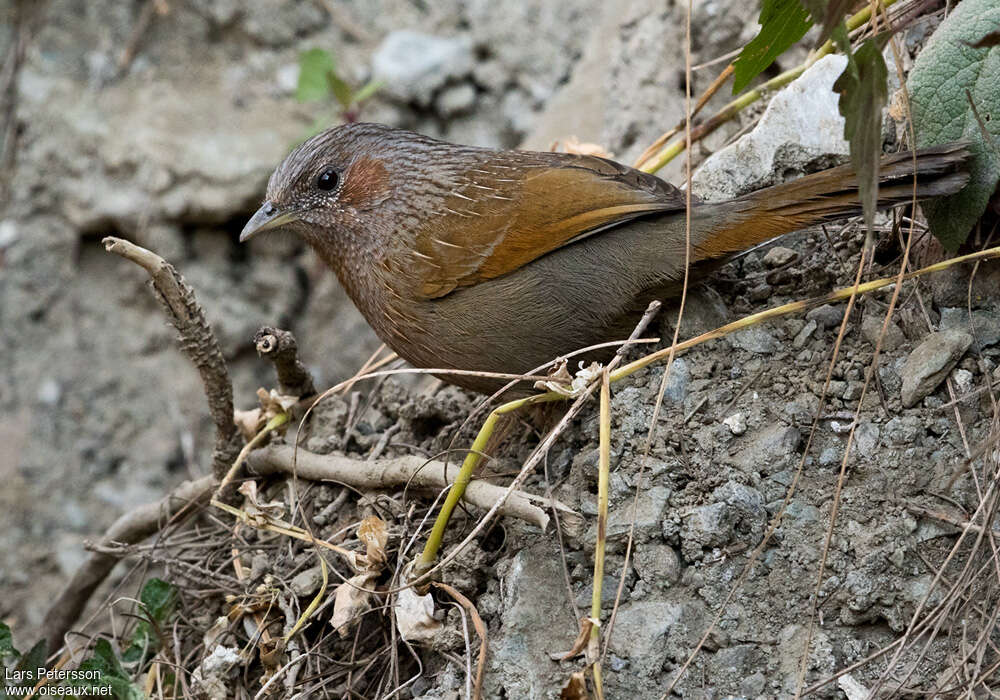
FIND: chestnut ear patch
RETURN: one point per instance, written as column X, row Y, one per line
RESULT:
column 366, row 184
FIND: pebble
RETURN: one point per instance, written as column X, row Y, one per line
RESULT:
column 746, row 499
column 756, row 340
column 8, row 233
column 260, row 564
column 307, row 582
column 779, row 256
column 871, row 329
column 866, row 437
column 774, row 443
column 648, row 513
column 49, row 392
column 737, row 423
column 657, row 563
column 930, row 362
column 803, row 408
column 963, row 381
column 829, row 456
column 642, row 630
column 707, row 526
column 456, row 100
column 802, row 511
column 826, row 315
column 761, row 292
column 678, row 381
column 287, row 78
column 853, row 391
column 803, row 335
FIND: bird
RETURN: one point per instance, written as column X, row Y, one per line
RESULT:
column 471, row 258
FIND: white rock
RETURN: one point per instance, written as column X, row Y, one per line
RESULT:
column 287, row 78
column 737, row 423
column 49, row 392
column 963, row 380
column 801, row 125
column 456, row 99
column 414, row 65
column 8, row 233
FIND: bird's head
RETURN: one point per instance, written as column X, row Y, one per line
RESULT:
column 325, row 187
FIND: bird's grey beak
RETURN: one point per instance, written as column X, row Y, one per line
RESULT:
column 267, row 217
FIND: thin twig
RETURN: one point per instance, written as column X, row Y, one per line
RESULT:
column 670, row 151
column 150, row 10
column 387, row 473
column 130, row 528
column 477, row 622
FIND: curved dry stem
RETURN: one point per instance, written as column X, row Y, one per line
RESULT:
column 197, row 341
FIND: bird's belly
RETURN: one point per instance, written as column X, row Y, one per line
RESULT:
column 589, row 293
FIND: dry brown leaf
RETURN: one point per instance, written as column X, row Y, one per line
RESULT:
column 215, row 632
column 415, row 616
column 562, row 382
column 271, row 651
column 580, row 643
column 351, row 600
column 274, row 403
column 259, row 514
column 575, row 688
column 249, row 422
column 374, row 535
column 271, row 403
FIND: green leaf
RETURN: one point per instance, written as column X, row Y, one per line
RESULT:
column 368, row 90
column 158, row 599
column 103, row 659
column 7, row 651
column 110, row 673
column 943, row 72
column 341, row 90
column 32, row 661
column 782, row 23
column 315, row 65
column 863, row 94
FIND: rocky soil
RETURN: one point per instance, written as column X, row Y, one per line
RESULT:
column 99, row 412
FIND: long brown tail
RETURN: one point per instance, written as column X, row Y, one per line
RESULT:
column 828, row 194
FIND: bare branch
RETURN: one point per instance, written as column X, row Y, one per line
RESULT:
column 197, row 341
column 392, row 472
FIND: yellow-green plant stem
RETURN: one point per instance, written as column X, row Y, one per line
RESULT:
column 426, row 560
column 603, row 476
column 276, row 422
column 465, row 473
column 314, row 605
column 676, row 147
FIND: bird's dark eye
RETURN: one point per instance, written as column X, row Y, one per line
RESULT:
column 328, row 180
